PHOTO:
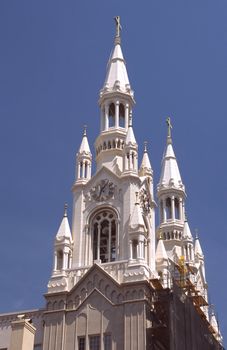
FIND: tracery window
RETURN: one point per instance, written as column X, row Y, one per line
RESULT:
column 104, row 228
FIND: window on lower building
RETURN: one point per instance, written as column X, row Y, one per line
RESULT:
column 81, row 343
column 94, row 342
column 38, row 347
column 107, row 342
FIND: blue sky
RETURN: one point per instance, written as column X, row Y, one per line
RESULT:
column 52, row 66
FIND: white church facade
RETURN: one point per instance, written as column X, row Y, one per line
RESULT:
column 120, row 275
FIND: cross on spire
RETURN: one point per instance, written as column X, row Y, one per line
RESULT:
column 118, row 26
column 168, row 122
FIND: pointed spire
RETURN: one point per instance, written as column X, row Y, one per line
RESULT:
column 117, row 76
column 130, row 137
column 145, row 165
column 84, row 147
column 161, row 254
column 136, row 221
column 170, row 174
column 64, row 228
column 198, row 249
column 187, row 232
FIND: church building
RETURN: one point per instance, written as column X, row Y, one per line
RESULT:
column 127, row 272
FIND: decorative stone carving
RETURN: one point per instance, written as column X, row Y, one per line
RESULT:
column 145, row 201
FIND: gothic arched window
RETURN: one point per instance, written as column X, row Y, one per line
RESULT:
column 111, row 115
column 59, row 259
column 168, row 208
column 177, row 208
column 104, row 228
column 122, row 116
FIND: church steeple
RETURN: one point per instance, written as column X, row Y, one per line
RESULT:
column 116, row 103
column 171, row 196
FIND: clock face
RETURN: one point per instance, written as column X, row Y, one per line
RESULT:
column 103, row 190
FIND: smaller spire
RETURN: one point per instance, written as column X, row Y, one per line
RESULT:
column 170, row 174
column 145, row 165
column 136, row 221
column 130, row 137
column 84, row 147
column 64, row 228
column 198, row 249
column 187, row 232
column 161, row 254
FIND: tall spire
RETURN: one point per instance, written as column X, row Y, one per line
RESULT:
column 84, row 147
column 170, row 174
column 117, row 76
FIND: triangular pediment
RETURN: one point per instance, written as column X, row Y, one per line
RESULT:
column 96, row 279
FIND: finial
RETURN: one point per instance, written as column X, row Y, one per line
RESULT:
column 145, row 146
column 168, row 122
column 196, row 233
column 118, row 30
column 65, row 210
column 85, row 130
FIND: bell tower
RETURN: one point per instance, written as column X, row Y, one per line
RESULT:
column 116, row 103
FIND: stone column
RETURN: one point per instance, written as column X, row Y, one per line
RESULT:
column 106, row 117
column 117, row 114
column 22, row 336
column 126, row 115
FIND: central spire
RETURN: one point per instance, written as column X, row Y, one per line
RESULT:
column 117, row 76
column 116, row 103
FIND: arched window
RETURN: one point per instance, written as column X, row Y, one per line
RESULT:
column 122, row 116
column 111, row 115
column 134, row 249
column 86, row 170
column 177, row 208
column 59, row 259
column 168, row 208
column 81, row 169
column 104, row 228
